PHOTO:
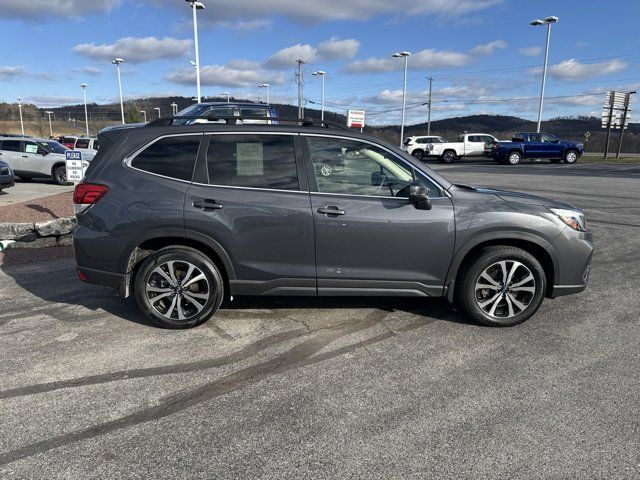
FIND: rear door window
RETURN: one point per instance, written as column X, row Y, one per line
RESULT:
column 82, row 143
column 173, row 157
column 11, row 145
column 256, row 161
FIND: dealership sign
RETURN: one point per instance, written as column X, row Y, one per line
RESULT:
column 355, row 118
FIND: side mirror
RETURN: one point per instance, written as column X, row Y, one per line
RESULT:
column 419, row 196
column 44, row 152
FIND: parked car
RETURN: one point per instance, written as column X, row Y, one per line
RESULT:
column 68, row 141
column 88, row 146
column 6, row 175
column 35, row 158
column 227, row 109
column 182, row 216
column 421, row 146
column 536, row 145
column 468, row 145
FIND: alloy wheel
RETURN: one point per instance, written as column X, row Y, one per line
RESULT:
column 505, row 289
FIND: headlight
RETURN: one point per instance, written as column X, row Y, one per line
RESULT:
column 573, row 218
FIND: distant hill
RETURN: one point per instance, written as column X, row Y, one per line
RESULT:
column 501, row 126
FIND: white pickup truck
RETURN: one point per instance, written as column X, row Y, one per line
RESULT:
column 468, row 145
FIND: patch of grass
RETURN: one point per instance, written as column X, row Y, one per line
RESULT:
column 597, row 158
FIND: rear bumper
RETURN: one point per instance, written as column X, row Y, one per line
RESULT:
column 117, row 281
column 561, row 290
column 7, row 181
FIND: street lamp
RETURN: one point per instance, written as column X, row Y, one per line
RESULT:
column 117, row 62
column 86, row 115
column 144, row 114
column 266, row 85
column 174, row 108
column 404, row 54
column 20, row 110
column 227, row 94
column 537, row 23
column 321, row 74
column 158, row 111
column 195, row 6
column 48, row 112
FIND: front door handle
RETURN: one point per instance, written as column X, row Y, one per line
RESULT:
column 207, row 205
column 331, row 210
column 25, row 156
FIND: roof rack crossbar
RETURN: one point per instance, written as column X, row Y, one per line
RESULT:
column 233, row 120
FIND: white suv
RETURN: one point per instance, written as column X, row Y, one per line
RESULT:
column 421, row 147
column 34, row 158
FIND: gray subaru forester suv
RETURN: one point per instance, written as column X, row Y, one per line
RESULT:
column 182, row 216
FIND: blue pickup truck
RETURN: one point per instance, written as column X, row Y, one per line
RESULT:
column 536, row 145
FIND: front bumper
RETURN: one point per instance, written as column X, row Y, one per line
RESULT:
column 573, row 252
column 7, row 181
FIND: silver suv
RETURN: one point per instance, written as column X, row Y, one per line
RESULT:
column 34, row 158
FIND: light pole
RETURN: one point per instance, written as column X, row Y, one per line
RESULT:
column 537, row 23
column 86, row 115
column 404, row 54
column 174, row 108
column 321, row 74
column 117, row 62
column 195, row 6
column 144, row 114
column 158, row 111
column 48, row 112
column 266, row 85
column 20, row 110
column 227, row 95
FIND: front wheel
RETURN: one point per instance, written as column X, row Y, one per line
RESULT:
column 418, row 154
column 60, row 175
column 178, row 287
column 448, row 156
column 570, row 156
column 502, row 286
column 326, row 170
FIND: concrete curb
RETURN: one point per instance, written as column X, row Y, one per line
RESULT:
column 36, row 235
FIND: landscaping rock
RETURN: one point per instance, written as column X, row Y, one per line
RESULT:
column 37, row 243
column 60, row 226
column 15, row 231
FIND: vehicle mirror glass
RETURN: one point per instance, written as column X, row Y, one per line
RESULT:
column 419, row 196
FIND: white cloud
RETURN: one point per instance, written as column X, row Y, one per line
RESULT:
column 488, row 48
column 245, row 26
column 91, row 70
column 9, row 73
column 331, row 10
column 530, row 51
column 428, row 58
column 332, row 49
column 573, row 69
column 136, row 50
column 237, row 73
column 51, row 100
column 33, row 10
column 581, row 44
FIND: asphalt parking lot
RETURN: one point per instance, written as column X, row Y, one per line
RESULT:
column 25, row 191
column 322, row 388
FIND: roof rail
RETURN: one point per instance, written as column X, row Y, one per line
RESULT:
column 233, row 120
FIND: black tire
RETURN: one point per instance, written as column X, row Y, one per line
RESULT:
column 326, row 170
column 60, row 175
column 448, row 156
column 514, row 157
column 418, row 154
column 184, row 257
column 570, row 157
column 556, row 160
column 469, row 298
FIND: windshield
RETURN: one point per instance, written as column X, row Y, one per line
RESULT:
column 54, row 147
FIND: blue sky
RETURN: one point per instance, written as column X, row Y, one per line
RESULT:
column 483, row 55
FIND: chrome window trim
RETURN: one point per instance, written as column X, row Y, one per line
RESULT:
column 409, row 164
column 306, row 192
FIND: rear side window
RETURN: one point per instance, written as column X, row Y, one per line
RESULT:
column 11, row 145
column 172, row 157
column 82, row 143
column 258, row 161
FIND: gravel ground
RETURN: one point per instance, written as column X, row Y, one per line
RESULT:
column 39, row 209
column 315, row 388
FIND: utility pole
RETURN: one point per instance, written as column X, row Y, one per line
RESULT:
column 300, row 82
column 606, row 148
column 627, row 101
column 429, row 103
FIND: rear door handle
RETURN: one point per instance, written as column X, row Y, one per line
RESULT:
column 25, row 156
column 331, row 210
column 207, row 205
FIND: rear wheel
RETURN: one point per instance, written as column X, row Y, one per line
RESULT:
column 501, row 286
column 448, row 156
column 419, row 154
column 178, row 287
column 326, row 170
column 570, row 156
column 514, row 158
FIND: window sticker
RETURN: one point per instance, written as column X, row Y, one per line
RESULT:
column 250, row 159
column 30, row 148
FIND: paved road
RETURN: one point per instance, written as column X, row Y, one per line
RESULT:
column 318, row 388
column 25, row 191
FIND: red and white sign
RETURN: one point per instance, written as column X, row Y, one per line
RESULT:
column 355, row 118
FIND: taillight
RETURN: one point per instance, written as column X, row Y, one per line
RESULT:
column 89, row 193
column 495, row 146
